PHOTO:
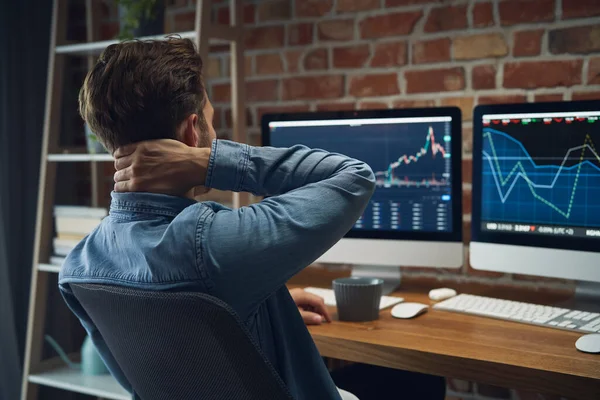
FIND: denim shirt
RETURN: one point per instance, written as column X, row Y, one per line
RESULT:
column 242, row 256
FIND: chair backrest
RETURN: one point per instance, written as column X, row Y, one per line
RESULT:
column 180, row 345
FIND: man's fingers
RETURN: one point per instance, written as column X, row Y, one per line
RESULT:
column 126, row 150
column 123, row 162
column 122, row 175
column 122, row 186
column 311, row 318
column 322, row 309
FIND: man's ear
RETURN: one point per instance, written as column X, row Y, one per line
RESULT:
column 190, row 134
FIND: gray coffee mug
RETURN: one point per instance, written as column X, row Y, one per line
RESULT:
column 358, row 298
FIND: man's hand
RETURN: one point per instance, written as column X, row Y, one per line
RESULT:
column 312, row 307
column 160, row 166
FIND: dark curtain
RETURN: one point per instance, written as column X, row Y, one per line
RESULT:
column 24, row 40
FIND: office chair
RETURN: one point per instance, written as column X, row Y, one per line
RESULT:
column 179, row 345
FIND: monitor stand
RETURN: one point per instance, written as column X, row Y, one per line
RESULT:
column 391, row 275
column 587, row 297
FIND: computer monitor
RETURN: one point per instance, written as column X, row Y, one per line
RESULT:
column 536, row 189
column 415, row 215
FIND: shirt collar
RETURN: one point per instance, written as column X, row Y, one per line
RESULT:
column 148, row 203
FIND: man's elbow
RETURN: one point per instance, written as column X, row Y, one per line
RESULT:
column 369, row 178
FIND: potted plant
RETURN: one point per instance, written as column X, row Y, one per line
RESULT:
column 140, row 18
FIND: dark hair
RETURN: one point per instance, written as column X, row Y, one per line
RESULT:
column 142, row 90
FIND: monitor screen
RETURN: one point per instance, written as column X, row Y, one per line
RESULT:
column 538, row 173
column 411, row 157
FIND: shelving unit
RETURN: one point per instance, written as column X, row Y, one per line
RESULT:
column 52, row 372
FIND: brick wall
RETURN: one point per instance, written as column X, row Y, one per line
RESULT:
column 366, row 54
column 369, row 54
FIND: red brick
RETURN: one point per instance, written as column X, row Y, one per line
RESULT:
column 300, row 34
column 274, row 10
column 269, row 64
column 356, row 5
column 527, row 43
column 343, row 106
column 502, row 99
column 413, row 103
column 467, row 140
column 292, row 60
column 184, row 21
column 484, row 77
column 435, row 80
column 466, row 202
column 266, row 90
column 484, row 45
column 393, row 24
column 372, row 105
column 483, row 15
column 467, row 174
column 249, row 16
column 593, row 77
column 446, row 18
column 530, row 75
column 466, row 236
column 580, row 8
column 313, row 8
column 514, row 12
column 431, row 51
column 264, row 37
column 313, row 87
column 548, row 97
column 248, row 66
column 260, row 111
column 228, row 118
column 398, row 3
column 351, row 56
column 212, row 69
column 391, row 54
column 586, row 96
column 316, row 59
column 374, row 85
column 109, row 30
column 577, row 40
column 336, row 29
column 262, row 90
column 464, row 103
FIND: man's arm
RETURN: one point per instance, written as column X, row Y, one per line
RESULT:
column 252, row 251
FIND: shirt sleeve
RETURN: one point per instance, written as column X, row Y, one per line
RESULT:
column 96, row 337
column 252, row 251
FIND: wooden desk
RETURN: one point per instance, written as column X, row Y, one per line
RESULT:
column 473, row 348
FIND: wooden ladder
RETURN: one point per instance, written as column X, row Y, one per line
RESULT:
column 51, row 372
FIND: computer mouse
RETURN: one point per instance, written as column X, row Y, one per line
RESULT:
column 441, row 294
column 408, row 310
column 589, row 343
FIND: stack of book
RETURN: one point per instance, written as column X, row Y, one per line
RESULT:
column 73, row 224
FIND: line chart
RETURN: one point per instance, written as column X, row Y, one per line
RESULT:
column 568, row 188
column 390, row 176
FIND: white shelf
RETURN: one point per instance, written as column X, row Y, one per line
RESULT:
column 98, row 47
column 104, row 386
column 49, row 268
column 80, row 157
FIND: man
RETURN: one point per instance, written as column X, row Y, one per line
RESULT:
column 147, row 104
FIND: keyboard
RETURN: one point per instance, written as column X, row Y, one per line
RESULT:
column 329, row 297
column 552, row 317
